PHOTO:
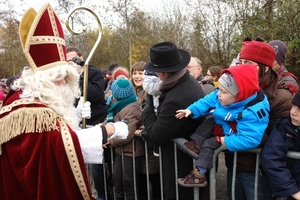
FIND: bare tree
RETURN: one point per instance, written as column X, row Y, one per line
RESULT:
column 212, row 30
column 121, row 12
column 214, row 27
column 11, row 54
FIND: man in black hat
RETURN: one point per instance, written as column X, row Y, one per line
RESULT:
column 178, row 89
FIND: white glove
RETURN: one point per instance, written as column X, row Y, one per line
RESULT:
column 83, row 111
column 121, row 130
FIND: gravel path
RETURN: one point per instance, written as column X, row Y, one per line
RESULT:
column 221, row 178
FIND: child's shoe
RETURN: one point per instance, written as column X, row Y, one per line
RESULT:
column 193, row 179
column 189, row 147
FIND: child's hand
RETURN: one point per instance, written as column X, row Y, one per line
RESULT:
column 106, row 145
column 183, row 113
column 296, row 195
column 223, row 142
column 107, row 94
column 138, row 132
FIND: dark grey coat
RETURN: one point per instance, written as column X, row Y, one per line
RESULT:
column 164, row 127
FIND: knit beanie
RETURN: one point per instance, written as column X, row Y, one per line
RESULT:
column 228, row 82
column 259, row 52
column 122, row 89
column 280, row 49
column 296, row 99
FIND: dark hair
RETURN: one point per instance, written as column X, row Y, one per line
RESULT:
column 69, row 49
column 111, row 68
column 215, row 71
column 259, row 39
column 264, row 78
column 247, row 39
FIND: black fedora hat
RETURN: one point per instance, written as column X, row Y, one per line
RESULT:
column 165, row 57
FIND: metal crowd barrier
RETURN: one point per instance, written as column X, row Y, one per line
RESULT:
column 212, row 176
column 212, row 173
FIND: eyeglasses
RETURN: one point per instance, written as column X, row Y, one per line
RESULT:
column 208, row 75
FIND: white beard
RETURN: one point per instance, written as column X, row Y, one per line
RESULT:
column 64, row 105
column 41, row 85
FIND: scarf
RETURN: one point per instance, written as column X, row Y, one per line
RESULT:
column 216, row 83
column 119, row 105
column 172, row 80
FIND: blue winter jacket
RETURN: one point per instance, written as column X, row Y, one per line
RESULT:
column 251, row 121
column 283, row 173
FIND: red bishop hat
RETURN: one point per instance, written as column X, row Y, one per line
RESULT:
column 42, row 38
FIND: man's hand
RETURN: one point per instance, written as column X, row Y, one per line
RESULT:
column 183, row 113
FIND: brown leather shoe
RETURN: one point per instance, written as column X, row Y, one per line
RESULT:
column 193, row 179
column 189, row 147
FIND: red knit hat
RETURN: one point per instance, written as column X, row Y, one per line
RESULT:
column 259, row 52
column 42, row 38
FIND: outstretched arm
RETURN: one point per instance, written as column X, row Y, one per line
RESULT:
column 91, row 139
column 183, row 113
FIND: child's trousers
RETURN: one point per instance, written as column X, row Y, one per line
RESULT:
column 207, row 142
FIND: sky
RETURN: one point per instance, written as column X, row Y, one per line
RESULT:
column 22, row 6
column 37, row 4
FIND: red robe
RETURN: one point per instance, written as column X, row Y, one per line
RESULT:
column 41, row 156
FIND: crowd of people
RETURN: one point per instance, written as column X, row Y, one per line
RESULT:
column 46, row 153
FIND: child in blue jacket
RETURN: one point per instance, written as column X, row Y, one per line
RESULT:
column 237, row 116
column 284, row 173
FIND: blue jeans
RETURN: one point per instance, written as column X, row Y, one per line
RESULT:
column 244, row 185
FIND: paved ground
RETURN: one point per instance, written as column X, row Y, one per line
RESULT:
column 221, row 179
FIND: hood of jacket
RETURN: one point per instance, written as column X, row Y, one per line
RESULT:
column 246, row 77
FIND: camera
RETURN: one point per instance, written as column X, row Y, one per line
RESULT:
column 78, row 61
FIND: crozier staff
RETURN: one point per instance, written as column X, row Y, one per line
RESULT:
column 41, row 155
